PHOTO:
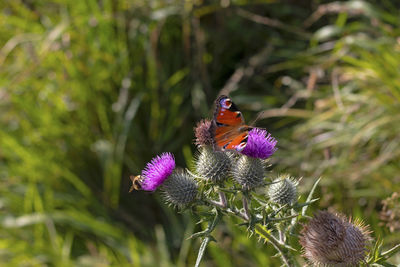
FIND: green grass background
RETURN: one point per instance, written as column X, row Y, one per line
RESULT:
column 91, row 90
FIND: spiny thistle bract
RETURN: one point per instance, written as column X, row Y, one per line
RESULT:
column 213, row 165
column 283, row 190
column 180, row 188
column 248, row 172
column 333, row 240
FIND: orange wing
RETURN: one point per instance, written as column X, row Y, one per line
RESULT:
column 229, row 130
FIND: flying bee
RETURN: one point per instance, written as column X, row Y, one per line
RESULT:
column 136, row 182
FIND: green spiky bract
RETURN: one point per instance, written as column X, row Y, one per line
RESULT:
column 180, row 188
column 283, row 190
column 213, row 165
column 249, row 172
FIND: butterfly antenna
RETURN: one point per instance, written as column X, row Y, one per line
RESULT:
column 259, row 117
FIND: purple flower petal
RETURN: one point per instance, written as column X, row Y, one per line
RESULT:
column 260, row 144
column 157, row 171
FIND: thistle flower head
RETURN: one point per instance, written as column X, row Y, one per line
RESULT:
column 180, row 188
column 203, row 133
column 333, row 240
column 260, row 144
column 213, row 165
column 283, row 190
column 248, row 172
column 156, row 171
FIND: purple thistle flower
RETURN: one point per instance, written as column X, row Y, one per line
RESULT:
column 260, row 144
column 156, row 171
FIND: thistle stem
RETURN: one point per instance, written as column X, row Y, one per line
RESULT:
column 214, row 203
column 246, row 207
column 208, row 237
column 274, row 242
column 245, row 215
column 281, row 236
column 237, row 212
column 222, row 199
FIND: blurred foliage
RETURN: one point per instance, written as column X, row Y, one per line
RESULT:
column 91, row 90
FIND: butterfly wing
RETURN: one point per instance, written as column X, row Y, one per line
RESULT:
column 229, row 130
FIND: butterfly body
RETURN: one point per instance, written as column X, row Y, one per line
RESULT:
column 228, row 127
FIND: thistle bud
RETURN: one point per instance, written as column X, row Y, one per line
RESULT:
column 203, row 133
column 213, row 165
column 180, row 188
column 283, row 190
column 333, row 240
column 249, row 172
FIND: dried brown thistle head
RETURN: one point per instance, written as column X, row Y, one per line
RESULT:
column 333, row 240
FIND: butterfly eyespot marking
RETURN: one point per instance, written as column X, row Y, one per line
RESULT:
column 226, row 103
column 136, row 182
column 241, row 146
column 238, row 113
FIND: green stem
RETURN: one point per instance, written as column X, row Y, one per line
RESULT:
column 245, row 215
column 222, row 199
column 246, row 208
column 271, row 239
column 214, row 203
